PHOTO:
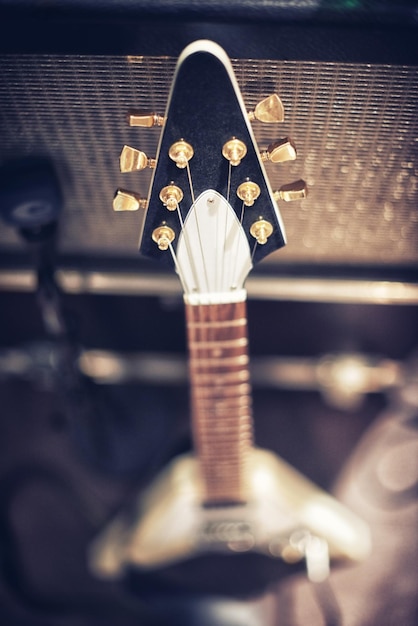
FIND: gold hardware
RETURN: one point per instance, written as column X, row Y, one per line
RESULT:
column 128, row 201
column 292, row 191
column 171, row 196
column 261, row 231
column 132, row 160
column 248, row 192
column 163, row 236
column 282, row 150
column 181, row 152
column 269, row 110
column 145, row 120
column 234, row 151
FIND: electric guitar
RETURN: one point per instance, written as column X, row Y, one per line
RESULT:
column 211, row 215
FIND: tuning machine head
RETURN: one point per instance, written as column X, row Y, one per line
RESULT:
column 133, row 160
column 292, row 191
column 280, row 151
column 128, row 201
column 145, row 119
column 269, row 110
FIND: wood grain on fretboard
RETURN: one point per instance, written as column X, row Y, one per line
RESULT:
column 220, row 397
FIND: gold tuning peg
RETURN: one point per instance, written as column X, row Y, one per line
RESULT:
column 292, row 191
column 269, row 110
column 132, row 160
column 261, row 231
column 128, row 201
column 145, row 120
column 280, row 151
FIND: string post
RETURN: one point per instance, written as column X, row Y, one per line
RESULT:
column 248, row 192
column 163, row 236
column 261, row 231
column 234, row 151
column 128, row 201
column 181, row 152
column 292, row 191
column 171, row 196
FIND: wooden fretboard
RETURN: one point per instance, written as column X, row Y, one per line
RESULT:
column 220, row 397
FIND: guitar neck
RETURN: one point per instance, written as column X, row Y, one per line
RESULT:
column 220, row 397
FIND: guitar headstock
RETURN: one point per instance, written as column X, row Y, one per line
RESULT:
column 211, row 212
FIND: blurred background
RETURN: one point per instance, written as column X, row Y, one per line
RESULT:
column 93, row 370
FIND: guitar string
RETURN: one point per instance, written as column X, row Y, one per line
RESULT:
column 234, row 268
column 229, row 181
column 225, row 238
column 178, row 270
column 189, row 176
column 253, row 252
column 188, row 249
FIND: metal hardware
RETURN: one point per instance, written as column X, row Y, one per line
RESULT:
column 248, row 192
column 163, row 236
column 293, row 191
column 128, row 201
column 132, row 160
column 269, row 110
column 181, row 152
column 171, row 196
column 145, row 120
column 261, row 231
column 280, row 151
column 234, row 151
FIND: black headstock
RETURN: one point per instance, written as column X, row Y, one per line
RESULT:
column 207, row 144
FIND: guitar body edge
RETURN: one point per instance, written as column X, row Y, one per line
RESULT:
column 169, row 523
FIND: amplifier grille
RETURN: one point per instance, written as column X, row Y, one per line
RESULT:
column 355, row 127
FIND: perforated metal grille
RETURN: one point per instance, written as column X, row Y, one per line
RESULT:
column 355, row 127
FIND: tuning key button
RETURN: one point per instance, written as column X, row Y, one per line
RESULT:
column 293, row 191
column 132, row 160
column 234, row 151
column 128, row 201
column 280, row 151
column 163, row 236
column 144, row 120
column 269, row 110
column 261, row 231
column 248, row 192
column 181, row 152
column 171, row 196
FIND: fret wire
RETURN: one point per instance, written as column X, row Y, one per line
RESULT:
column 219, row 324
column 222, row 343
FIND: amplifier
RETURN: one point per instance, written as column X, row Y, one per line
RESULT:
column 348, row 81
